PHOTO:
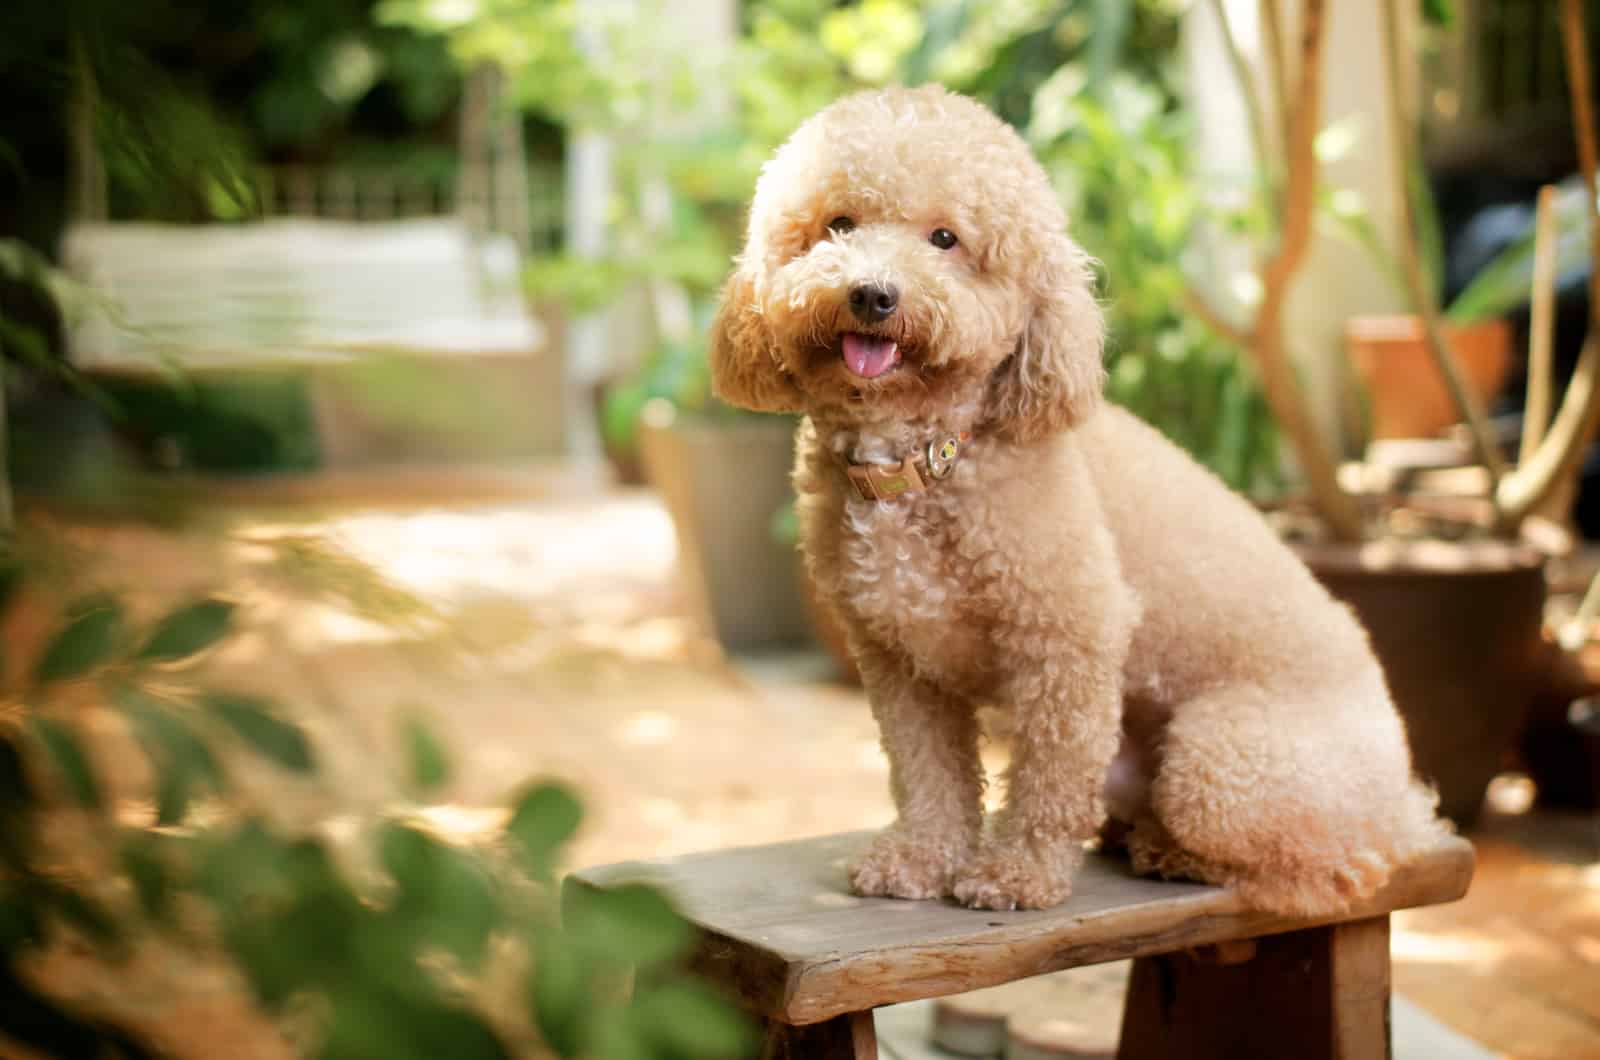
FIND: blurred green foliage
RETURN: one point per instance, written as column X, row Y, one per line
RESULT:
column 185, row 98
column 1501, row 285
column 387, row 959
column 188, row 99
column 1092, row 82
column 1165, row 364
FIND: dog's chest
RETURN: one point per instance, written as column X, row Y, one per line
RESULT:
column 904, row 575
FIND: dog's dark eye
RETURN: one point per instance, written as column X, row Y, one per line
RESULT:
column 943, row 238
column 841, row 225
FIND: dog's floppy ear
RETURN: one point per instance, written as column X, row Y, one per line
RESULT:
column 745, row 370
column 1053, row 378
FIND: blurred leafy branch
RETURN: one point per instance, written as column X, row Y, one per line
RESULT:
column 1092, row 81
column 384, row 943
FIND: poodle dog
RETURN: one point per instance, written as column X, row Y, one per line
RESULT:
column 991, row 533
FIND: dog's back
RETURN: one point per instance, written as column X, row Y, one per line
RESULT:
column 1222, row 597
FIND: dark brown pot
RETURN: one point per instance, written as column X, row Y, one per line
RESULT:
column 1561, row 745
column 1458, row 629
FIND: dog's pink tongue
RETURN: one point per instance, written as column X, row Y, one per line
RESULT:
column 869, row 356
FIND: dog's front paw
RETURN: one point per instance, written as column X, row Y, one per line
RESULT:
column 1018, row 875
column 901, row 864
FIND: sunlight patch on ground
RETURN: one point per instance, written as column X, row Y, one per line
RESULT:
column 648, row 729
column 656, row 638
column 869, row 756
column 524, row 551
column 1445, row 948
column 315, row 626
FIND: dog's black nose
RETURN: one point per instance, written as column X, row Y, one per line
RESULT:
column 872, row 302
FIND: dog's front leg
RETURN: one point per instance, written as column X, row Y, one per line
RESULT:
column 1067, row 726
column 931, row 739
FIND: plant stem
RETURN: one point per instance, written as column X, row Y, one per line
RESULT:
column 1264, row 338
column 1423, row 302
column 1575, row 633
column 1541, row 324
column 1252, row 104
column 1272, row 45
column 1278, row 378
column 1557, row 455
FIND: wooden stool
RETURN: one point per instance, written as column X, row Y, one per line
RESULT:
column 783, row 936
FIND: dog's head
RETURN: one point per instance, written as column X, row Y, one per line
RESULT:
column 907, row 258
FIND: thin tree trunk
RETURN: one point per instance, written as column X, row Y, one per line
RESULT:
column 1337, row 507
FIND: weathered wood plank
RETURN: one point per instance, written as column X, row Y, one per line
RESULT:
column 782, row 927
column 1317, row 994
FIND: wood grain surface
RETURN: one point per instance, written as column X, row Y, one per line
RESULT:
column 781, row 928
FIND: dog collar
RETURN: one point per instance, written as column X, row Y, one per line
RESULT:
column 914, row 474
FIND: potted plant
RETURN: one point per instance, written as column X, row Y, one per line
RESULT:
column 724, row 476
column 1453, row 598
column 1407, row 395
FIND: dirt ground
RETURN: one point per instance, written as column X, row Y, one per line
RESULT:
column 548, row 638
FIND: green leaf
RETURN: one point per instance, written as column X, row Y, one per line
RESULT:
column 151, row 877
column 288, row 918
column 369, row 1023
column 16, row 808
column 81, row 912
column 429, row 766
column 182, row 763
column 69, row 757
column 237, row 866
column 689, row 1019
column 270, row 736
column 1430, row 240
column 1112, row 20
column 632, row 924
column 19, row 917
column 188, row 630
column 1440, row 13
column 16, row 794
column 87, row 640
column 174, row 792
column 619, row 1037
column 1506, row 282
column 559, row 992
column 446, row 899
column 545, row 817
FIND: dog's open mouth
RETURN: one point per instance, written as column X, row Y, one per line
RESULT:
column 869, row 356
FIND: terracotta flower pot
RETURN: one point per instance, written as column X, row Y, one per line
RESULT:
column 1458, row 629
column 1409, row 398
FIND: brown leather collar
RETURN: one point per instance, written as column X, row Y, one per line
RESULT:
column 915, row 473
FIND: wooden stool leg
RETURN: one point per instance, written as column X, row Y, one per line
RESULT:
column 849, row 1037
column 1319, row 994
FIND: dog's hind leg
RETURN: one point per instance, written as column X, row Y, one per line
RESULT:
column 1153, row 852
column 1302, row 800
